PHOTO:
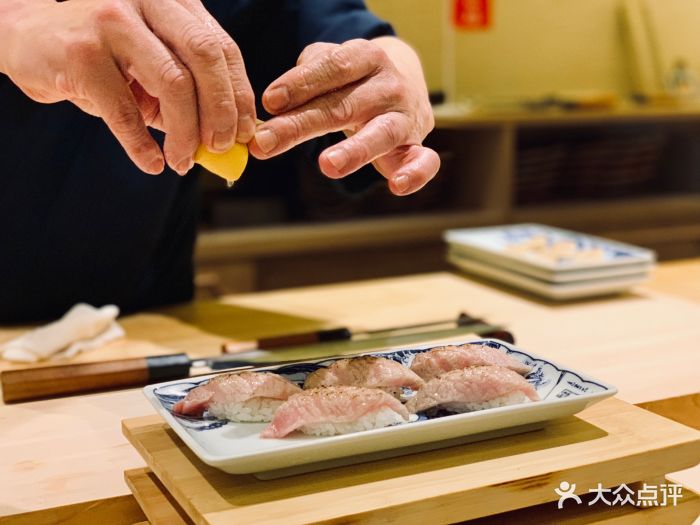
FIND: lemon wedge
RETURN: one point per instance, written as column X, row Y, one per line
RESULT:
column 228, row 165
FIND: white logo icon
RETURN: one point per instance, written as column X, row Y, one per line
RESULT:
column 566, row 491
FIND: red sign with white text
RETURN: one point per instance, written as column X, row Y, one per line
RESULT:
column 472, row 14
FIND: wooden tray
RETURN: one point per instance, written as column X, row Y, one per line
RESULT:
column 610, row 443
column 161, row 509
column 156, row 502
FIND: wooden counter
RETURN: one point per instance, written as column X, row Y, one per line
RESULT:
column 69, row 452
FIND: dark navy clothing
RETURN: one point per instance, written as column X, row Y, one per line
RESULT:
column 79, row 222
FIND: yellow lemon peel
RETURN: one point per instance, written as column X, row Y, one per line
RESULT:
column 229, row 165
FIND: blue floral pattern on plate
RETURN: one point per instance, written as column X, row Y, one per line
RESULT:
column 498, row 239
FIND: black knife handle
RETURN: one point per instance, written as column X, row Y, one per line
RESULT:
column 167, row 367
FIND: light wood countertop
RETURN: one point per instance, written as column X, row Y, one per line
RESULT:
column 64, row 452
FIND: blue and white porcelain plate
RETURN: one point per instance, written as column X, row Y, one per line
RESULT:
column 548, row 253
column 237, row 447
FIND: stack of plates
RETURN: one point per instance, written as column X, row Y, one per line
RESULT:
column 550, row 262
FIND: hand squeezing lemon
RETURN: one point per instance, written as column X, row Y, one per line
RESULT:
column 228, row 165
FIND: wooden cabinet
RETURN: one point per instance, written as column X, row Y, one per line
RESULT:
column 631, row 174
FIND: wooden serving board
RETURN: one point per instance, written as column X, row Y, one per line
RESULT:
column 157, row 503
column 609, row 443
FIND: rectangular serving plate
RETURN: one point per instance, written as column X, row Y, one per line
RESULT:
column 492, row 245
column 236, row 448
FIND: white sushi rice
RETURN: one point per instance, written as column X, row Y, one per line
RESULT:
column 514, row 398
column 383, row 418
column 254, row 410
column 395, row 391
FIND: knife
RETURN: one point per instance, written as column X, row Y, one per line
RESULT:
column 341, row 334
column 62, row 380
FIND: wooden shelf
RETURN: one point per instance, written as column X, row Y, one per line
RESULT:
column 456, row 117
column 330, row 237
column 627, row 213
column 483, row 148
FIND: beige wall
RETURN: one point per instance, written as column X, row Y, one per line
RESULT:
column 536, row 47
column 676, row 23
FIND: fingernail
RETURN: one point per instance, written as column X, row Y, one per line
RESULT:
column 278, row 98
column 337, row 157
column 223, row 140
column 156, row 165
column 246, row 129
column 184, row 166
column 266, row 139
column 402, row 183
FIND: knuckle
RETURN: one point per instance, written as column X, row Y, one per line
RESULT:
column 175, row 79
column 125, row 122
column 224, row 106
column 391, row 129
column 378, row 55
column 372, row 52
column 341, row 62
column 341, row 110
column 360, row 153
column 293, row 130
column 311, row 50
column 201, row 43
column 395, row 91
column 109, row 11
column 245, row 99
column 315, row 47
column 361, row 44
column 305, row 78
column 230, row 48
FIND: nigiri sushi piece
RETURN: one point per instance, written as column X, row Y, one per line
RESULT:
column 336, row 410
column 366, row 371
column 244, row 397
column 445, row 358
column 474, row 388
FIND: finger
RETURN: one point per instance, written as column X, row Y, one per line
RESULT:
column 344, row 109
column 242, row 90
column 314, row 50
column 198, row 47
column 112, row 99
column 408, row 168
column 329, row 70
column 165, row 77
column 377, row 138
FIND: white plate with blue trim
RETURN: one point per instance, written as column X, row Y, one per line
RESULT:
column 556, row 291
column 238, row 449
column 550, row 254
column 547, row 276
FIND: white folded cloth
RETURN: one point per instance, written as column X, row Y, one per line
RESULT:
column 82, row 328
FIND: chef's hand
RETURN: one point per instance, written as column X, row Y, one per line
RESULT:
column 134, row 63
column 372, row 90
